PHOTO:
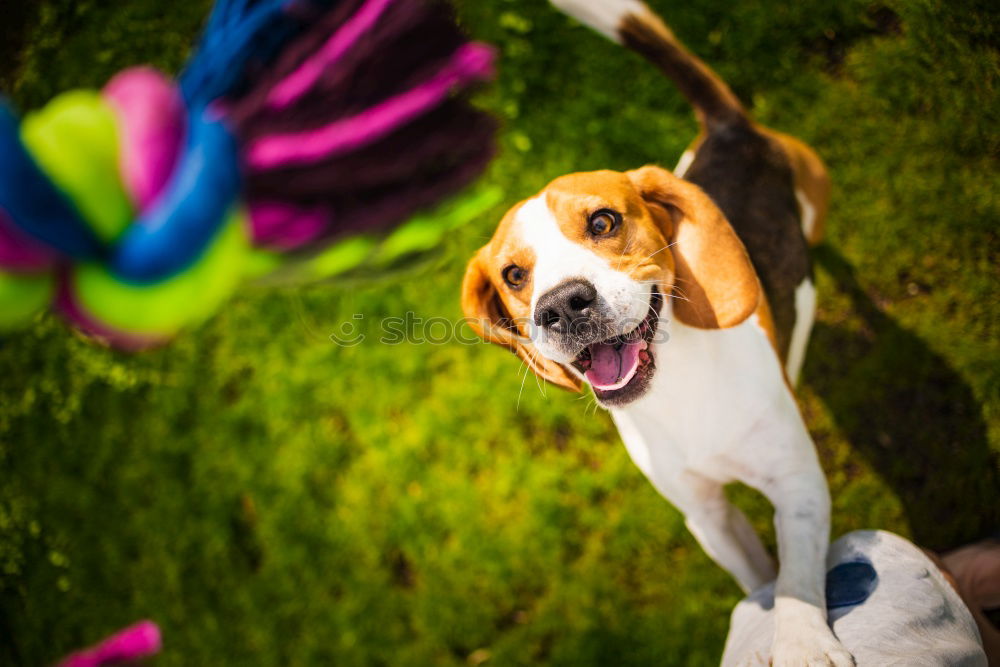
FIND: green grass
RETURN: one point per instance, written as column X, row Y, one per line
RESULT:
column 270, row 498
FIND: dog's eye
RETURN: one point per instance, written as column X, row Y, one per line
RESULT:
column 604, row 222
column 515, row 276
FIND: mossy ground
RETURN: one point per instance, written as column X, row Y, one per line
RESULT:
column 271, row 498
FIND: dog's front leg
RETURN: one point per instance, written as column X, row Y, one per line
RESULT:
column 720, row 528
column 802, row 522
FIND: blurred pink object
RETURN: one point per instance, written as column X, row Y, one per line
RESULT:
column 138, row 641
column 286, row 227
column 152, row 122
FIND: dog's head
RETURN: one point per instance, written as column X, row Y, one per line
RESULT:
column 576, row 279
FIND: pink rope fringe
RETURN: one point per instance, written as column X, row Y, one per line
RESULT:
column 471, row 62
column 299, row 82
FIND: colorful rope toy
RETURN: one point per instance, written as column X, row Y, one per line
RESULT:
column 300, row 139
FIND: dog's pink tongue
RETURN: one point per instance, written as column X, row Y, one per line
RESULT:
column 612, row 369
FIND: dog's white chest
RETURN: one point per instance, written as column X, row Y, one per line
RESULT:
column 712, row 392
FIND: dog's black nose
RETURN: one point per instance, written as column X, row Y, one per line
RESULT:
column 562, row 306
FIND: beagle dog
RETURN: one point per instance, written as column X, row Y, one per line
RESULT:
column 685, row 300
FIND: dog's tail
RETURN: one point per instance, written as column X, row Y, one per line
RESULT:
column 633, row 24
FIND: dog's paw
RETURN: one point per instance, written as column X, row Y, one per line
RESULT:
column 802, row 637
column 812, row 648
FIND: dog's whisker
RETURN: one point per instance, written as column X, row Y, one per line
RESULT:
column 524, row 377
column 683, row 280
column 624, row 250
column 682, row 297
column 650, row 256
column 534, row 355
column 657, row 252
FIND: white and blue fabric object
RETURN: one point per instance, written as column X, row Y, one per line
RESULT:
column 888, row 603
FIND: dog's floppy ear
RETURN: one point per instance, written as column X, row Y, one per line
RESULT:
column 716, row 285
column 486, row 314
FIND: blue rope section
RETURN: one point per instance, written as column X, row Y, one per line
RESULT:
column 33, row 203
column 190, row 212
column 237, row 31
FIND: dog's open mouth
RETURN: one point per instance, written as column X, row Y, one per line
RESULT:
column 622, row 361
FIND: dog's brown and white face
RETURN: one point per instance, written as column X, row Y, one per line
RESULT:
column 576, row 279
